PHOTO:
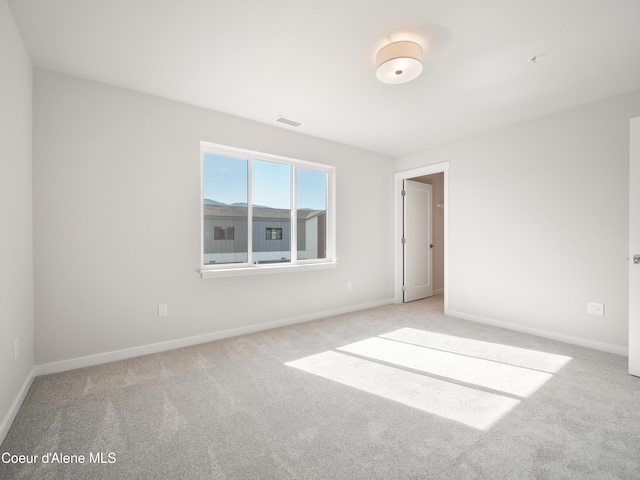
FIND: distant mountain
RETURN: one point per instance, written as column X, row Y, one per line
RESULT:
column 212, row 202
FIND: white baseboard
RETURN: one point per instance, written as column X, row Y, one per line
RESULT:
column 15, row 406
column 106, row 357
column 582, row 342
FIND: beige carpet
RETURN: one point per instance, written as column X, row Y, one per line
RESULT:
column 397, row 392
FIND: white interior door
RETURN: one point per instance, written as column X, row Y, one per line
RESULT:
column 417, row 239
column 634, row 249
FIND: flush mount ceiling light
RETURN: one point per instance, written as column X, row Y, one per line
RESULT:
column 399, row 62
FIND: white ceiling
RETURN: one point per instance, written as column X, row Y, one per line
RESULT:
column 313, row 61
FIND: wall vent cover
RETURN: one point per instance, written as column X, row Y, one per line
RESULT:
column 287, row 121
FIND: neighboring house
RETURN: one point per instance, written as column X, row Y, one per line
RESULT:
column 225, row 234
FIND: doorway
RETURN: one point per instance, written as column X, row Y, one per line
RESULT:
column 437, row 176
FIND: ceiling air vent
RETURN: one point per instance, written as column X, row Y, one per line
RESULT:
column 287, row 121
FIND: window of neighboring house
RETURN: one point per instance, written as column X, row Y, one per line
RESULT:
column 261, row 210
column 223, row 233
column 274, row 234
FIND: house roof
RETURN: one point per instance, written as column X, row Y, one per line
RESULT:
column 259, row 213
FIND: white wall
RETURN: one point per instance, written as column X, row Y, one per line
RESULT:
column 117, row 223
column 16, row 239
column 538, row 221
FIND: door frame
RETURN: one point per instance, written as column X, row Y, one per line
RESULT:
column 634, row 247
column 398, row 179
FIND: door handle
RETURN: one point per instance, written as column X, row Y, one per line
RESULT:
column 431, row 245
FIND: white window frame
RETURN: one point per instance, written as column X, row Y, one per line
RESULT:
column 295, row 265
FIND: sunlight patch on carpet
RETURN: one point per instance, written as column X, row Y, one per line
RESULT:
column 469, row 406
column 522, row 357
column 468, row 381
column 475, row 371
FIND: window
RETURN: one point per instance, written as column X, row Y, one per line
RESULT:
column 274, row 234
column 223, row 233
column 260, row 210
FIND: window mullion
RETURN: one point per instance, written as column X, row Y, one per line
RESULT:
column 294, row 217
column 250, row 211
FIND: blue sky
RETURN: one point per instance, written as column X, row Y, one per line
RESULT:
column 225, row 180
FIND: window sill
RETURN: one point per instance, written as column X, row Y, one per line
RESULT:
column 265, row 269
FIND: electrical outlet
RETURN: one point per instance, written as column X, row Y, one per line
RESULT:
column 15, row 349
column 595, row 308
column 162, row 310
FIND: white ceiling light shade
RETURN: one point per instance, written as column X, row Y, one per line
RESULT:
column 399, row 62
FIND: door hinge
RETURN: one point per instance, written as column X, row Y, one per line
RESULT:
column 404, row 240
column 403, row 193
column 404, row 289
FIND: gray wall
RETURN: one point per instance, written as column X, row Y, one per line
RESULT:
column 239, row 242
column 117, row 223
column 16, row 240
column 260, row 242
column 538, row 220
